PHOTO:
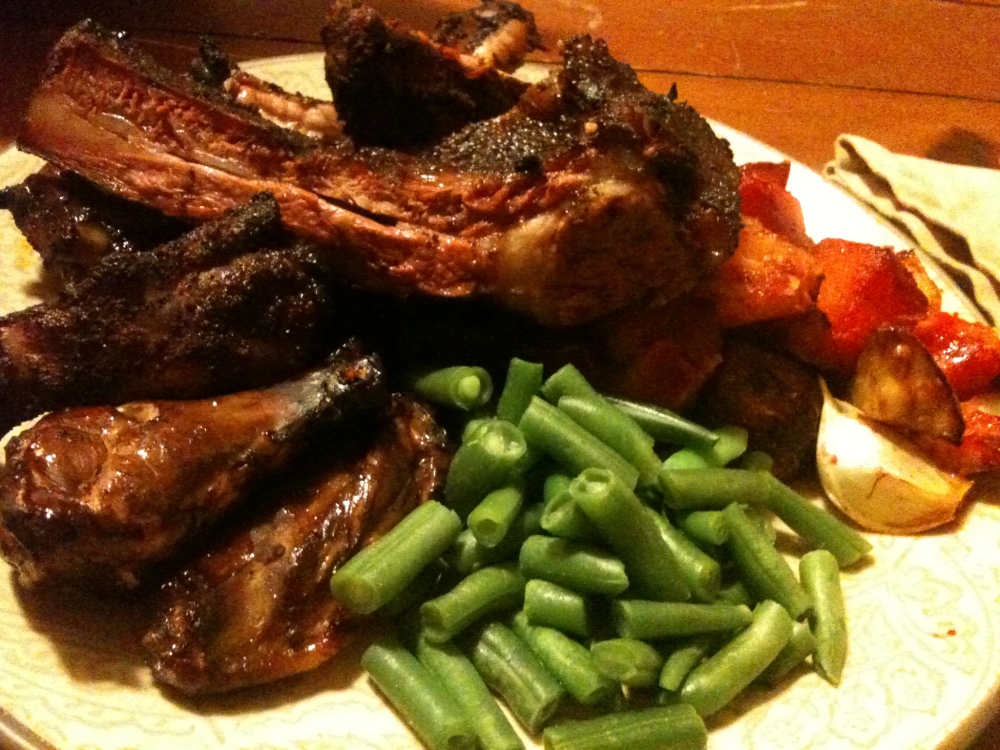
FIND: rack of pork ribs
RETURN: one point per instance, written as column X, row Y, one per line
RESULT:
column 214, row 241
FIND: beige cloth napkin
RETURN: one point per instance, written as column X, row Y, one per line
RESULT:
column 950, row 211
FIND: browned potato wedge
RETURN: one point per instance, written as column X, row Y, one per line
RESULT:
column 898, row 383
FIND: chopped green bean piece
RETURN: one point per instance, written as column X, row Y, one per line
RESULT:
column 492, row 589
column 524, row 380
column 566, row 381
column 818, row 527
column 732, row 444
column 763, row 569
column 686, row 458
column 380, row 571
column 482, row 464
column 646, row 620
column 418, row 696
column 509, row 666
column 563, row 518
column 571, row 446
column 701, row 571
column 820, row 575
column 629, row 661
column 555, row 606
column 492, row 518
column 713, row 488
column 665, row 426
column 459, row 677
column 461, row 387
column 676, row 727
column 685, row 657
column 724, row 675
column 615, row 429
column 570, row 661
column 799, row 647
column 578, row 567
column 756, row 461
column 705, row 526
column 621, row 519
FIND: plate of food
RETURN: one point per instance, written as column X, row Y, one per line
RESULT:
column 923, row 610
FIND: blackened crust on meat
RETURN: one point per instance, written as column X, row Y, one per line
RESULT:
column 72, row 224
column 590, row 195
column 498, row 32
column 395, row 88
column 257, row 605
column 215, row 311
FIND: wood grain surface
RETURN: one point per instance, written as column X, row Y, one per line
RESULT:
column 921, row 77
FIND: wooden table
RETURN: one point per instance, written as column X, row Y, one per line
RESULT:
column 921, row 77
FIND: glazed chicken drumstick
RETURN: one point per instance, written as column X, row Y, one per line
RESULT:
column 103, row 497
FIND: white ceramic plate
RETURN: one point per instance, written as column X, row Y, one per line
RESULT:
column 923, row 669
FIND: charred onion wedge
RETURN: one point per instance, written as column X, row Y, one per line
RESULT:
column 898, row 383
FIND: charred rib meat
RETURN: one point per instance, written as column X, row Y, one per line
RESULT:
column 215, row 311
column 72, row 225
column 396, row 88
column 103, row 496
column 257, row 606
column 590, row 194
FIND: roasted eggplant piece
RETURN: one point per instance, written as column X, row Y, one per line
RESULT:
column 897, row 382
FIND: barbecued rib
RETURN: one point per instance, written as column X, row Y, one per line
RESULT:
column 498, row 33
column 103, row 497
column 311, row 117
column 72, row 224
column 228, row 306
column 396, row 88
column 591, row 194
column 257, row 606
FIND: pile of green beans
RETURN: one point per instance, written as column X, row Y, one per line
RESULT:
column 594, row 557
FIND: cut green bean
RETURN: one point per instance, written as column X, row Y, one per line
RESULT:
column 720, row 678
column 686, row 458
column 756, row 461
column 629, row 661
column 562, row 517
column 459, row 677
column 524, row 380
column 820, row 575
column 685, row 657
column 676, row 727
column 736, row 593
column 418, row 696
column 466, row 555
column 509, row 666
column 496, row 588
column 571, row 662
column 578, row 567
column 762, row 519
column 705, row 526
column 461, row 387
column 665, row 426
column 555, row 485
column 622, row 521
column 713, row 488
column 380, row 571
column 763, row 569
column 555, row 606
column 646, row 620
column 566, row 381
column 572, row 447
column 701, row 571
column 799, row 647
column 492, row 518
column 818, row 527
column 615, row 429
column 732, row 444
column 482, row 464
